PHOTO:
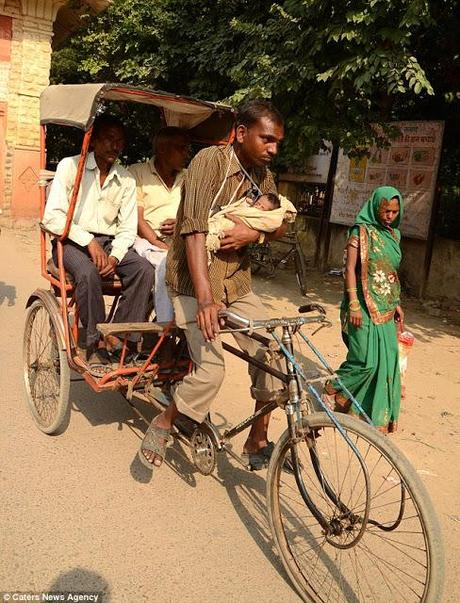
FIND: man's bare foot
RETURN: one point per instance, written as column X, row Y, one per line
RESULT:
column 153, row 448
column 257, row 453
column 252, row 446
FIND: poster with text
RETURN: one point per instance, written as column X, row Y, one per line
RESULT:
column 410, row 164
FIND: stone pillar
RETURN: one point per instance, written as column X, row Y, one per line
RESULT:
column 30, row 56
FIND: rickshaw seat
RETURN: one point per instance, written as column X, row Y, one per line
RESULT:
column 112, row 328
column 52, row 269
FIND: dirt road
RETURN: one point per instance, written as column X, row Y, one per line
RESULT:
column 80, row 513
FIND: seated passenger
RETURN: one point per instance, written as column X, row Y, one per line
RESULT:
column 102, row 231
column 159, row 182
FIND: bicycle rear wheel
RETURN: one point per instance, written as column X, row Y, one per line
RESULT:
column 398, row 558
column 261, row 256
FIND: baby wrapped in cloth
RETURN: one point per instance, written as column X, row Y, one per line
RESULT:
column 265, row 214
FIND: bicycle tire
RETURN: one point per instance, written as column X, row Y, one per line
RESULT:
column 377, row 568
column 262, row 258
column 46, row 370
column 301, row 270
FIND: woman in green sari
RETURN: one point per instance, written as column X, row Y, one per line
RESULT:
column 369, row 310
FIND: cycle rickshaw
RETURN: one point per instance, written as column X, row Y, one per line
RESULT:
column 349, row 515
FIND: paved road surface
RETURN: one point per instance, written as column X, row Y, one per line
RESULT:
column 79, row 512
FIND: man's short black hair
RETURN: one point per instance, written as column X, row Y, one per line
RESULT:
column 169, row 133
column 106, row 120
column 249, row 113
column 274, row 200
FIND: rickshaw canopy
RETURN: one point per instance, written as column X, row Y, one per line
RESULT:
column 77, row 105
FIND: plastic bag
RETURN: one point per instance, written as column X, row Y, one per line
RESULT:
column 405, row 343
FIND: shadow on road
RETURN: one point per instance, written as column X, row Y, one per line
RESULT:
column 246, row 491
column 8, row 293
column 81, row 580
column 102, row 408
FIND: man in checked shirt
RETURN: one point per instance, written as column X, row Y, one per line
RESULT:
column 217, row 176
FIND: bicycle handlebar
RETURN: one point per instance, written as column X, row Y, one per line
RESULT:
column 241, row 322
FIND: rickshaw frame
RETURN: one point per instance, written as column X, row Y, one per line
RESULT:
column 175, row 110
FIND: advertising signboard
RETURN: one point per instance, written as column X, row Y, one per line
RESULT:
column 410, row 164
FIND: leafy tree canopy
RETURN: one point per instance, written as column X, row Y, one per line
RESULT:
column 333, row 68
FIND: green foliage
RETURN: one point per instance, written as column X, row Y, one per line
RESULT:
column 333, row 68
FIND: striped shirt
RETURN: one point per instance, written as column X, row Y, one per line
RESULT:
column 229, row 273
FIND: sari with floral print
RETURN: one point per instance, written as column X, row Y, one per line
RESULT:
column 371, row 370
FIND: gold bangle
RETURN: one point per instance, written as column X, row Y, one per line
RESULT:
column 352, row 289
column 354, row 305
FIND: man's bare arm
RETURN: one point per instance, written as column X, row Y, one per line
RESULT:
column 197, row 260
column 276, row 234
column 241, row 235
column 146, row 231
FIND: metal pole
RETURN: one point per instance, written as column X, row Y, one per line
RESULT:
column 322, row 252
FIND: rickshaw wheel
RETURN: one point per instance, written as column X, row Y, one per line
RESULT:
column 46, row 370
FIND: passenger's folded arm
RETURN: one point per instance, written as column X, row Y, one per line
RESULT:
column 145, row 231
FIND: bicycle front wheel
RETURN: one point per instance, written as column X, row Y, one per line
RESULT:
column 397, row 558
column 46, row 371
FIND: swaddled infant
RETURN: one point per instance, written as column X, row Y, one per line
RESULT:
column 264, row 214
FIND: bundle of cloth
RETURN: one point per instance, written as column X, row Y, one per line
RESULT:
column 265, row 214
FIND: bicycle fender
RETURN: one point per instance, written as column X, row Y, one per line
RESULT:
column 52, row 305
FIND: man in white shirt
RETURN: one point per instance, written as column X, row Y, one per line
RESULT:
column 159, row 183
column 102, row 232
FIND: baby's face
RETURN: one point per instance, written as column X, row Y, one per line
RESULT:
column 263, row 203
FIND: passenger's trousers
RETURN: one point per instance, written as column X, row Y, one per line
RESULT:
column 136, row 275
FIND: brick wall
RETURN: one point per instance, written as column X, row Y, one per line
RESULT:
column 25, row 56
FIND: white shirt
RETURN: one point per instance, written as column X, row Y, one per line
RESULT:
column 108, row 210
column 159, row 202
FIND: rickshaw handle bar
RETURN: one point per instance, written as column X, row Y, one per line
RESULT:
column 247, row 323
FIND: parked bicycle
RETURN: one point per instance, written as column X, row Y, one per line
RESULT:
column 263, row 257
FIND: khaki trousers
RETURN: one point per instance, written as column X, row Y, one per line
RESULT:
column 195, row 394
